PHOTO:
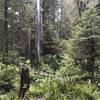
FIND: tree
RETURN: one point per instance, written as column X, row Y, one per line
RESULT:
column 81, row 6
column 38, row 32
column 50, row 31
column 87, row 36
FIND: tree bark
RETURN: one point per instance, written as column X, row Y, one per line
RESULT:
column 5, row 36
column 78, row 6
column 61, row 18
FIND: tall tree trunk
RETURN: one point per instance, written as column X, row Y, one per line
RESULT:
column 5, row 36
column 38, row 32
column 61, row 17
column 92, row 54
column 78, row 6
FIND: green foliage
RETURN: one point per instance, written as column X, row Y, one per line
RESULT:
column 86, row 42
column 52, row 61
column 68, row 70
column 8, row 77
column 62, row 90
column 9, row 96
column 53, row 92
column 50, row 29
column 88, row 25
column 60, row 76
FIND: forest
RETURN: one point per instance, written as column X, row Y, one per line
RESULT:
column 49, row 49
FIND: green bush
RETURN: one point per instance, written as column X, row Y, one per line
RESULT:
column 53, row 92
column 9, row 96
column 8, row 77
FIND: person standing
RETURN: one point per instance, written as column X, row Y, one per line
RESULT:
column 24, row 79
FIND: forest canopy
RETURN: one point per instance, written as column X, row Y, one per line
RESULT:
column 49, row 50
